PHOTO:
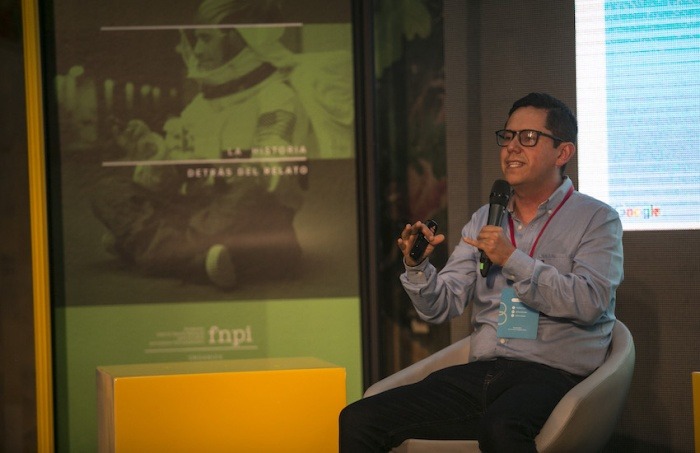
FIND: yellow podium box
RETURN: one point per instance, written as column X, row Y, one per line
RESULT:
column 252, row 405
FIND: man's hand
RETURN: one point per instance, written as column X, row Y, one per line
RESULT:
column 493, row 242
column 409, row 236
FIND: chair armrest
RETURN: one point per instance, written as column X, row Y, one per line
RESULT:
column 455, row 354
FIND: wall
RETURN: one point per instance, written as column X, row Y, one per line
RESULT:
column 17, row 401
column 507, row 49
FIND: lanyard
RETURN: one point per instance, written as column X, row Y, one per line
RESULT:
column 512, row 225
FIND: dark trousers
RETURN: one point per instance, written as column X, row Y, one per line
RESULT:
column 501, row 403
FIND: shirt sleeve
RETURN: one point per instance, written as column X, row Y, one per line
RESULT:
column 439, row 296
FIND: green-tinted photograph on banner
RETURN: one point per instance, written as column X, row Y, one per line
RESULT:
column 203, row 145
column 202, row 183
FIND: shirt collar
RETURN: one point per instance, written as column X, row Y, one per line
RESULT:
column 554, row 199
column 558, row 195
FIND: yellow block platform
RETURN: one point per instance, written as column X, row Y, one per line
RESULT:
column 254, row 405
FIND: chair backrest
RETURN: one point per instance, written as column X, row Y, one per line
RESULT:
column 587, row 415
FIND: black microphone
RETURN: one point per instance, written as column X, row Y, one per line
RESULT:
column 498, row 200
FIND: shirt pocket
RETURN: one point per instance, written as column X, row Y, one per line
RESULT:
column 562, row 262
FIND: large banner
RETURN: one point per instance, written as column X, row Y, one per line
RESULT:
column 202, row 188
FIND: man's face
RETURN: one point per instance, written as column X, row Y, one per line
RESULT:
column 534, row 166
column 214, row 47
column 177, row 138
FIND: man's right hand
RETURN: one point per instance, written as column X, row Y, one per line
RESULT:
column 409, row 236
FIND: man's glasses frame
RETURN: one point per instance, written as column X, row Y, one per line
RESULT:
column 526, row 137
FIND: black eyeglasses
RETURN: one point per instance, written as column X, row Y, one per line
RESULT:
column 527, row 137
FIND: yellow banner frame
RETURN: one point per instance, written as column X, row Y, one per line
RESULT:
column 39, row 227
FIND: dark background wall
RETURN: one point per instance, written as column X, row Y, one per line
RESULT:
column 17, row 401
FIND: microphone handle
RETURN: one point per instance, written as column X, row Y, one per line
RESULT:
column 484, row 265
column 496, row 212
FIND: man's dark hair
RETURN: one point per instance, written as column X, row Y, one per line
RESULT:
column 560, row 119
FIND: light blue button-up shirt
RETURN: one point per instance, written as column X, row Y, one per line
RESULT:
column 571, row 280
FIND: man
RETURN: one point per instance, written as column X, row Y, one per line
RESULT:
column 558, row 253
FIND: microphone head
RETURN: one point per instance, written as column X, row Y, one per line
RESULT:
column 500, row 193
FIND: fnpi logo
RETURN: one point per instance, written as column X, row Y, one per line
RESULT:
column 234, row 337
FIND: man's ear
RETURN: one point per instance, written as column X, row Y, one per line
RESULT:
column 566, row 152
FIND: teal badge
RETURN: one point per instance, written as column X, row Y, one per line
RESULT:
column 515, row 319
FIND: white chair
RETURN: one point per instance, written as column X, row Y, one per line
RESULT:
column 583, row 421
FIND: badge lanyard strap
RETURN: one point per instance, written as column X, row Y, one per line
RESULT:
column 512, row 225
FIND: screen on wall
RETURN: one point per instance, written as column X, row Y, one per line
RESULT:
column 638, row 91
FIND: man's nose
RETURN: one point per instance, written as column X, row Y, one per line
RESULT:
column 514, row 146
